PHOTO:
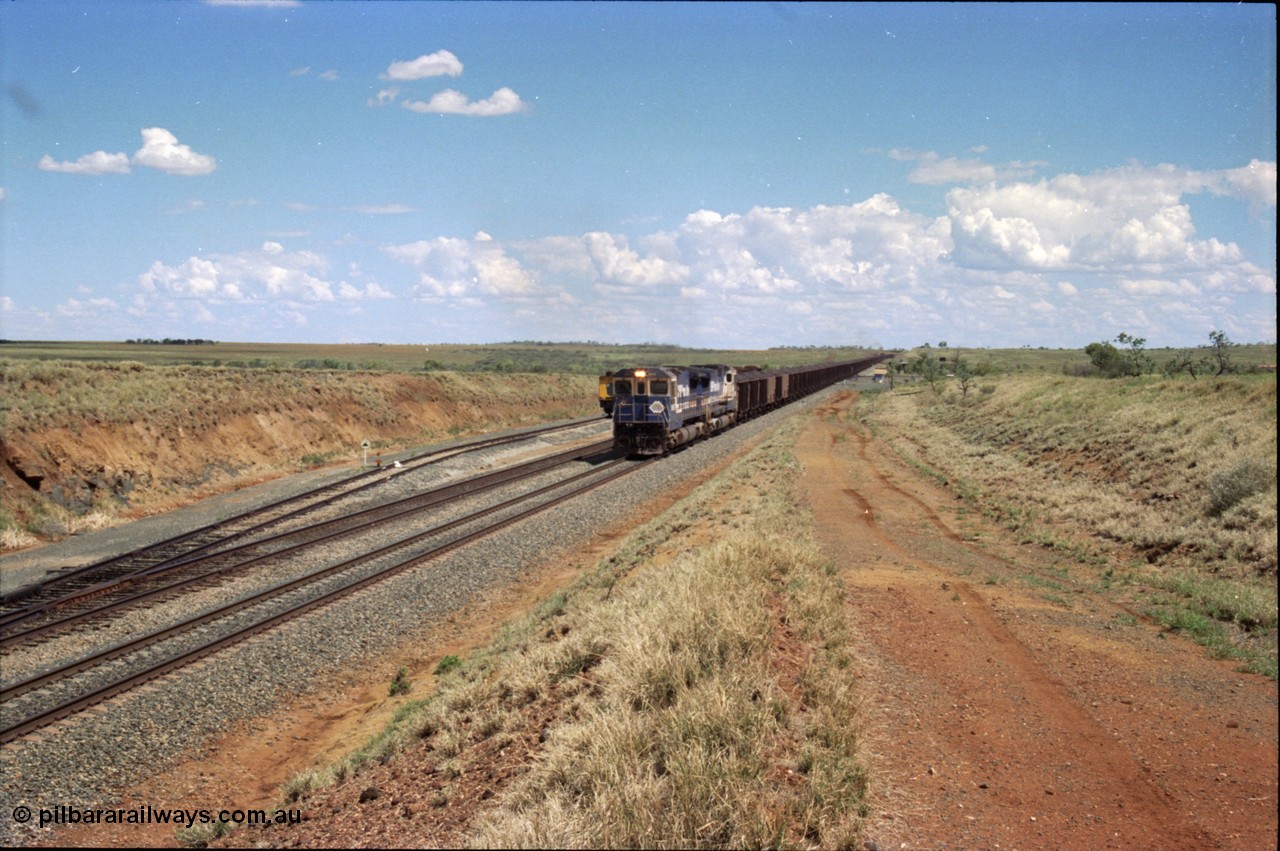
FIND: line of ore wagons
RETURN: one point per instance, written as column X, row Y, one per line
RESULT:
column 715, row 397
column 759, row 391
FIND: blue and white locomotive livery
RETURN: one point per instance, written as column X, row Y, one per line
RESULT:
column 659, row 408
column 656, row 409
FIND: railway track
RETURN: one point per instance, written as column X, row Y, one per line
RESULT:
column 22, row 604
column 205, row 567
column 73, row 684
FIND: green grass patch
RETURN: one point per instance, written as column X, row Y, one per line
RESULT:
column 447, row 664
column 1172, row 477
column 1040, row 582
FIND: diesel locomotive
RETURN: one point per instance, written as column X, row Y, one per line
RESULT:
column 658, row 409
column 606, row 394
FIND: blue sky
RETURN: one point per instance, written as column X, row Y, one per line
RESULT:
column 740, row 175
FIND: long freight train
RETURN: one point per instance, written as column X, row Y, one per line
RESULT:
column 656, row 409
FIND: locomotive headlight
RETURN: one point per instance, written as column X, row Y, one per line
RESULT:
column 657, row 407
column 639, row 373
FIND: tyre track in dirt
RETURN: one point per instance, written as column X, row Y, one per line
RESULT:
column 996, row 720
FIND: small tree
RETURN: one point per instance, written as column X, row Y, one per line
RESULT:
column 1219, row 352
column 931, row 370
column 1106, row 357
column 1185, row 362
column 1116, row 363
column 1139, row 361
column 965, row 376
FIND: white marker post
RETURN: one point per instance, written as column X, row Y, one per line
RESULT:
column 365, row 446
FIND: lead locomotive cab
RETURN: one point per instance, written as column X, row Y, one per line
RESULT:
column 657, row 409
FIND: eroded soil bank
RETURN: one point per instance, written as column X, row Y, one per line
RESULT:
column 82, row 445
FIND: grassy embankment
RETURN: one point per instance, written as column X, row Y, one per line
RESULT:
column 706, row 703
column 1163, row 491
column 84, row 440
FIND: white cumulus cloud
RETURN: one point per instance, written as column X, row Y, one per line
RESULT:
column 384, row 97
column 1106, row 222
column 162, row 151
column 934, row 169
column 439, row 64
column 348, row 292
column 616, row 262
column 267, row 274
column 1255, row 182
column 451, row 268
column 504, row 101
column 99, row 162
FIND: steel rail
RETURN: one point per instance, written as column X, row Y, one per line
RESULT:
column 389, row 511
column 378, row 476
column 156, row 636
column 69, row 707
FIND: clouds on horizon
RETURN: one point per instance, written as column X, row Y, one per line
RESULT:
column 268, row 274
column 1070, row 257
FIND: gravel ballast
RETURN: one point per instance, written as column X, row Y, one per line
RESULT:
column 88, row 759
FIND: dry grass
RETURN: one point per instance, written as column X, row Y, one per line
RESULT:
column 13, row 538
column 94, row 436
column 692, row 741
column 43, row 394
column 701, row 696
column 1165, row 484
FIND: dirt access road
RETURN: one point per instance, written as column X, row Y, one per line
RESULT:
column 995, row 718
column 1000, row 719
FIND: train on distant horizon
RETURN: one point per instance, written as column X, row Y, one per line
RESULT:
column 660, row 408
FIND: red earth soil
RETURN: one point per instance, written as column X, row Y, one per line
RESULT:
column 1007, row 702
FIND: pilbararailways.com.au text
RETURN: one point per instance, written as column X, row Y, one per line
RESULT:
column 148, row 815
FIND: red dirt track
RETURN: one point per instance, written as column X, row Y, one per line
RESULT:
column 999, row 719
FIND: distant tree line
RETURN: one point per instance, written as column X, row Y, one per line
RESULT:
column 1131, row 359
column 171, row 341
